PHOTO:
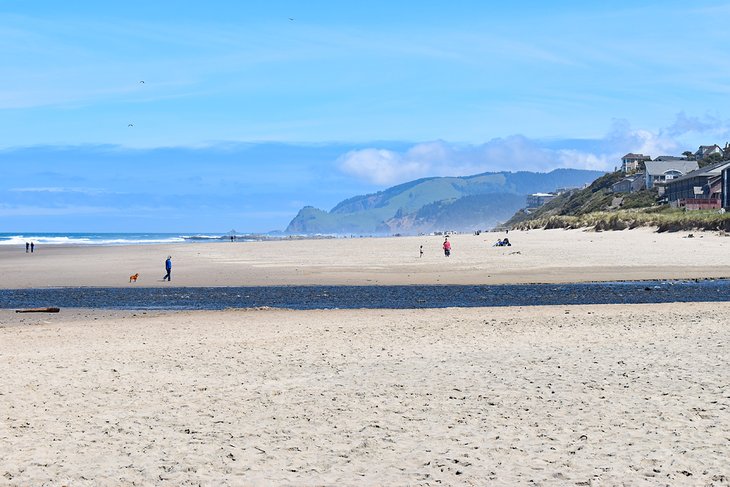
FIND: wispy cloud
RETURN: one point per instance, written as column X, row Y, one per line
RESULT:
column 36, row 211
column 52, row 189
column 706, row 124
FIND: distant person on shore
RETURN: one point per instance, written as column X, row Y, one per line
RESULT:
column 447, row 247
column 32, row 247
column 168, row 268
column 421, row 251
column 27, row 247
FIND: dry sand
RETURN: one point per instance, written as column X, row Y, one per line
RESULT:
column 581, row 395
column 536, row 256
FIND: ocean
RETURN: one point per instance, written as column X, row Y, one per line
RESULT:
column 19, row 239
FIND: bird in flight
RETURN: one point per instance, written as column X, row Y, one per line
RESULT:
column 142, row 81
column 291, row 18
column 130, row 125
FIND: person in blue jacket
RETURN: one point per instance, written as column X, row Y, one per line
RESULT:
column 168, row 268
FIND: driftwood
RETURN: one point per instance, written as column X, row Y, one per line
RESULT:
column 38, row 310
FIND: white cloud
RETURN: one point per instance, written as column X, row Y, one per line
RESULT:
column 520, row 153
column 439, row 158
column 382, row 166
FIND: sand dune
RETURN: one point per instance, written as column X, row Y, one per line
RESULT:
column 582, row 395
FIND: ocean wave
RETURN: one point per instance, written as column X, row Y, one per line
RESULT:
column 206, row 237
column 20, row 240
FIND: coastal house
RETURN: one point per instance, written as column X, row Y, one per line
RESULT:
column 670, row 158
column 707, row 150
column 629, row 184
column 570, row 189
column 726, row 188
column 536, row 200
column 699, row 189
column 632, row 162
column 660, row 171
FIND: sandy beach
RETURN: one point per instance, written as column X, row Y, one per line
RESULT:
column 554, row 395
column 581, row 395
column 536, row 256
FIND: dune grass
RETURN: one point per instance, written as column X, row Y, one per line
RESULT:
column 664, row 219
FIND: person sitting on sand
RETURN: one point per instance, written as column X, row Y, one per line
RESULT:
column 498, row 243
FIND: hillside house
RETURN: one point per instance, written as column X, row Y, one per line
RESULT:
column 699, row 189
column 661, row 171
column 632, row 162
column 670, row 158
column 629, row 184
column 707, row 150
column 537, row 200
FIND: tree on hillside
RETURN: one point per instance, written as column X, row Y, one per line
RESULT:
column 709, row 160
column 689, row 155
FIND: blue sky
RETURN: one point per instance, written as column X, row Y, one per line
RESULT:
column 244, row 115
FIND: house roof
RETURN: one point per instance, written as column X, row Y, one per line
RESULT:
column 705, row 149
column 707, row 171
column 629, row 179
column 631, row 155
column 657, row 168
column 634, row 177
column 670, row 158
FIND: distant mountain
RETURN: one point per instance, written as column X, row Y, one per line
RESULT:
column 439, row 203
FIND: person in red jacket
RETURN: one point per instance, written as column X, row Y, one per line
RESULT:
column 447, row 247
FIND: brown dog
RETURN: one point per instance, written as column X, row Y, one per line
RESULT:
column 133, row 277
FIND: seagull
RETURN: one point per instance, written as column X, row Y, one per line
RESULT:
column 130, row 125
column 291, row 18
column 142, row 81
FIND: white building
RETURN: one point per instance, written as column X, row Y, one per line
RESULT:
column 536, row 200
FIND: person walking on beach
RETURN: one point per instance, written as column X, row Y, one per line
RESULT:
column 168, row 268
column 421, row 250
column 27, row 246
column 32, row 246
column 447, row 247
